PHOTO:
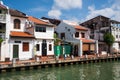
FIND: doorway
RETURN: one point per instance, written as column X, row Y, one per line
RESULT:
column 76, row 50
column 44, row 48
column 15, row 51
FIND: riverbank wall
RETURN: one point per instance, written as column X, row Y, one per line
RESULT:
column 45, row 63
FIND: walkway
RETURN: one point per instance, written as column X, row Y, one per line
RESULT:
column 47, row 60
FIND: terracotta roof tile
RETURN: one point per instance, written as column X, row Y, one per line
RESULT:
column 37, row 21
column 20, row 34
column 80, row 28
column 87, row 40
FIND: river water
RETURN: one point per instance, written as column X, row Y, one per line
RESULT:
column 92, row 71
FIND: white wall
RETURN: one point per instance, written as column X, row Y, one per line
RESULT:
column 49, row 34
column 63, row 28
column 86, row 34
column 22, row 25
column 39, row 41
column 22, row 55
column 116, row 46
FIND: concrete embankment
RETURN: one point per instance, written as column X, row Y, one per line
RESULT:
column 44, row 63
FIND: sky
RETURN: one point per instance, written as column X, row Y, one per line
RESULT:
column 73, row 10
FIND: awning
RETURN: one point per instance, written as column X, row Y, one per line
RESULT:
column 73, row 41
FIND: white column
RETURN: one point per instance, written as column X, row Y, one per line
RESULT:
column 80, row 48
column 96, row 46
column 7, row 36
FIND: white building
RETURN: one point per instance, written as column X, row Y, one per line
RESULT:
column 44, row 36
column 16, row 42
column 116, row 33
column 98, row 27
column 78, row 36
column 24, row 37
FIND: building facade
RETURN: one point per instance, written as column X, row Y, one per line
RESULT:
column 44, row 36
column 76, row 35
column 23, row 37
column 99, row 26
column 16, row 42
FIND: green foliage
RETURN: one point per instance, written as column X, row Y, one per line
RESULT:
column 1, row 40
column 56, row 40
column 109, row 38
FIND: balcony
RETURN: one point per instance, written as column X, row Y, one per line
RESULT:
column 2, row 35
column 2, row 18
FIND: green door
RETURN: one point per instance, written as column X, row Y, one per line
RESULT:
column 15, row 51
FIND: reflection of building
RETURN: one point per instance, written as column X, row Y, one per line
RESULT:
column 77, row 35
column 100, row 25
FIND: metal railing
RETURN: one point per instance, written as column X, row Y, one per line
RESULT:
column 2, row 17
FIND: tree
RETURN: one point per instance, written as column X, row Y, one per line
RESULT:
column 56, row 40
column 109, row 40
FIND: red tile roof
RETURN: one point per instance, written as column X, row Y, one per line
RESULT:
column 20, row 34
column 80, row 28
column 87, row 40
column 37, row 21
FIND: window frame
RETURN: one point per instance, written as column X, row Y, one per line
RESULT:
column 25, row 46
column 17, row 23
column 82, row 35
column 40, row 29
column 77, row 34
column 50, row 47
column 37, row 47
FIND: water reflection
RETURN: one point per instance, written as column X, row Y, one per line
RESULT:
column 98, row 71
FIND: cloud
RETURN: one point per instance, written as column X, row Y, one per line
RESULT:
column 91, row 8
column 111, row 12
column 67, row 4
column 37, row 9
column 60, row 5
column 54, row 13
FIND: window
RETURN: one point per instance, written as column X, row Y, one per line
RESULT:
column 25, row 46
column 82, row 35
column 0, row 11
column 62, row 35
column 77, row 34
column 17, row 24
column 37, row 47
column 40, row 29
column 116, row 36
column 50, row 47
column 17, row 41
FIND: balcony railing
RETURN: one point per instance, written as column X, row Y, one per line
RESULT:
column 2, row 17
column 2, row 35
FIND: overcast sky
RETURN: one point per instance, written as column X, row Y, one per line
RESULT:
column 74, row 10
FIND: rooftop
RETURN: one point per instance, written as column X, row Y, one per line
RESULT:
column 37, row 21
column 20, row 34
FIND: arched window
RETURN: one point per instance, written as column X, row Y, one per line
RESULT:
column 17, row 23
